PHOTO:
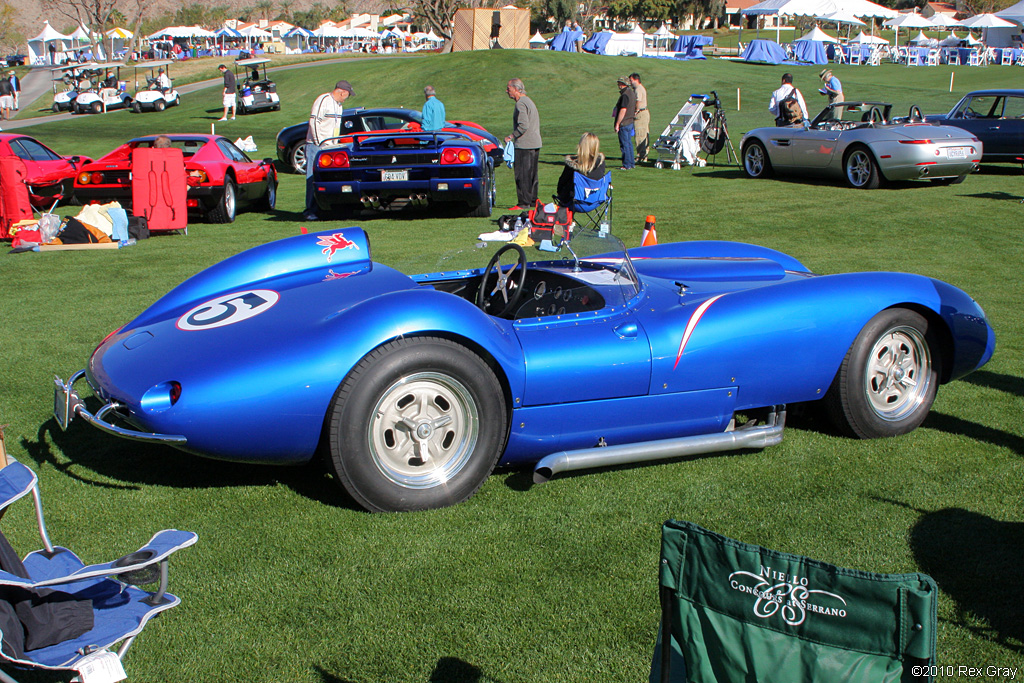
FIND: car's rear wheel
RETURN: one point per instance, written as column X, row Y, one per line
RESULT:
column 297, row 157
column 159, row 105
column 55, row 107
column 755, row 160
column 417, row 424
column 861, row 170
column 97, row 107
column 225, row 210
column 136, row 107
column 270, row 198
column 887, row 382
column 483, row 210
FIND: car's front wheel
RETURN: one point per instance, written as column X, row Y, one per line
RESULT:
column 225, row 210
column 887, row 382
column 418, row 424
column 861, row 170
column 159, row 105
column 755, row 160
column 297, row 157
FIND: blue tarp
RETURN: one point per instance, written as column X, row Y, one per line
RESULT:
column 597, row 42
column 566, row 41
column 764, row 51
column 691, row 46
column 809, row 52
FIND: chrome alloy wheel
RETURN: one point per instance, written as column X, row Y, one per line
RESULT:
column 859, row 168
column 898, row 373
column 754, row 160
column 423, row 430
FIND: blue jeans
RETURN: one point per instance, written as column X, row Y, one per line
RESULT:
column 626, row 145
column 311, row 205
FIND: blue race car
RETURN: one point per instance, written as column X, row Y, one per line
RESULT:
column 398, row 170
column 415, row 388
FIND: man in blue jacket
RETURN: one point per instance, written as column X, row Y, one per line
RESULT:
column 433, row 110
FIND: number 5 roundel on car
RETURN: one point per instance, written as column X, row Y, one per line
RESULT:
column 228, row 309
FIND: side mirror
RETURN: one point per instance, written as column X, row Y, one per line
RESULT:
column 75, row 159
column 268, row 161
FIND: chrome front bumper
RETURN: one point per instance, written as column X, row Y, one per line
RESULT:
column 67, row 404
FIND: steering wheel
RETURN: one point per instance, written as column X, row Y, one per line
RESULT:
column 508, row 284
column 915, row 115
column 875, row 116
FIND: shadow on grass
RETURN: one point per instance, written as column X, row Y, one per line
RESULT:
column 447, row 670
column 1000, row 169
column 1001, row 196
column 1011, row 384
column 976, row 560
column 403, row 213
column 131, row 465
column 973, row 430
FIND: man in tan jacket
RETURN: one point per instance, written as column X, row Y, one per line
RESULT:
column 642, row 124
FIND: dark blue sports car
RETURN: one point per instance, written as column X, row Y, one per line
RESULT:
column 398, row 170
column 996, row 117
column 415, row 388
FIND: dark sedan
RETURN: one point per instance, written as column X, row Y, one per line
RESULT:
column 291, row 141
column 996, row 117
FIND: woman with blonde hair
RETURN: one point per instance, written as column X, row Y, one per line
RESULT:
column 588, row 160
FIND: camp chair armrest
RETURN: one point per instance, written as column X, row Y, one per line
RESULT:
column 157, row 550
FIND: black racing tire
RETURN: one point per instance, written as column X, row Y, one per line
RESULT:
column 297, row 157
column 159, row 105
column 756, row 163
column 861, row 170
column 269, row 200
column 887, row 382
column 227, row 206
column 483, row 210
column 408, row 398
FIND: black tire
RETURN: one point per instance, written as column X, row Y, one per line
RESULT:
column 269, row 200
column 483, row 210
column 97, row 107
column 227, row 206
column 297, row 157
column 55, row 108
column 887, row 382
column 177, row 101
column 276, row 107
column 756, row 163
column 861, row 170
column 159, row 105
column 136, row 107
column 432, row 387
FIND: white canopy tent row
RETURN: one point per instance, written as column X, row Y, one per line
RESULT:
column 910, row 20
column 38, row 47
column 817, row 8
column 818, row 35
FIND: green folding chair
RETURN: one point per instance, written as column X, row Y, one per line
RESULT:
column 734, row 612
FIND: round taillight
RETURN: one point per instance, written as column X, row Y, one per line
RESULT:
column 97, row 178
column 465, row 156
column 83, row 178
column 324, row 160
column 448, row 156
column 340, row 159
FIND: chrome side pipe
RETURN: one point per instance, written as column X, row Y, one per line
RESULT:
column 755, row 436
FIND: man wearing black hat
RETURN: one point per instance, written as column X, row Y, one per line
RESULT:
column 624, row 115
column 324, row 123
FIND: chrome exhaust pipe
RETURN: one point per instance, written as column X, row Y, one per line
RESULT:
column 365, row 201
column 423, row 200
column 374, row 201
column 757, row 436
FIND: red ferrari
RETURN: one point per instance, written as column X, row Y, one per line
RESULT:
column 220, row 177
column 50, row 175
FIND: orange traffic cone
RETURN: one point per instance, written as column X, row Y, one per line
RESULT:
column 650, row 236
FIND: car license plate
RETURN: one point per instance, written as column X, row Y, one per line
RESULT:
column 395, row 175
column 956, row 152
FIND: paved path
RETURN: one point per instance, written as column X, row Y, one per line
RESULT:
column 38, row 81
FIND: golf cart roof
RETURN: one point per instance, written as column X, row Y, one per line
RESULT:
column 75, row 67
column 152, row 65
column 112, row 65
column 252, row 61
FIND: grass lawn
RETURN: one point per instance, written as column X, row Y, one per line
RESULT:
column 535, row 583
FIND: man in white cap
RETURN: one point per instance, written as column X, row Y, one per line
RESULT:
column 833, row 89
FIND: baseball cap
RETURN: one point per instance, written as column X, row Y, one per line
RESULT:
column 624, row 80
column 344, row 85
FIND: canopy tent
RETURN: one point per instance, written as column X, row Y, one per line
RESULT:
column 841, row 18
column 433, row 37
column 996, row 31
column 296, row 38
column 943, row 20
column 815, row 8
column 181, row 32
column 922, row 39
column 986, row 21
column 618, row 43
column 951, row 40
column 118, row 39
column 1014, row 13
column 328, row 31
column 363, row 33
column 865, row 39
column 538, row 40
column 908, row 21
column 764, row 52
column 38, row 47
column 816, row 34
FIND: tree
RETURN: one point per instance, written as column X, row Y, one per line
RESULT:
column 10, row 37
column 560, row 11
column 92, row 14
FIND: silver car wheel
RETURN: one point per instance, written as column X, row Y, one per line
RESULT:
column 898, row 373
column 423, row 430
column 755, row 160
column 299, row 158
column 859, row 167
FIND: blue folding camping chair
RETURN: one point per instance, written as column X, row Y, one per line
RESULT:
column 59, row 614
column 592, row 200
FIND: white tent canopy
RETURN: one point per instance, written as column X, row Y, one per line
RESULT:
column 328, row 31
column 950, row 41
column 1014, row 13
column 943, row 20
column 922, row 39
column 865, row 39
column 254, row 32
column 537, row 39
column 181, row 32
column 818, row 35
column 909, row 20
column 433, row 37
column 986, row 21
column 841, row 18
column 38, row 46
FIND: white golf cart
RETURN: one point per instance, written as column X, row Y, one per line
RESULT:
column 256, row 92
column 109, row 92
column 153, row 96
column 70, row 80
